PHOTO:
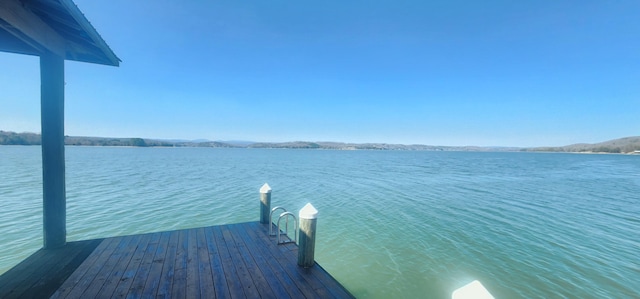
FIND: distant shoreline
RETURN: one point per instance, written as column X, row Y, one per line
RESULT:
column 627, row 145
column 332, row 149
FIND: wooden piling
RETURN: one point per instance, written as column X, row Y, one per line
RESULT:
column 307, row 235
column 265, row 203
column 53, row 170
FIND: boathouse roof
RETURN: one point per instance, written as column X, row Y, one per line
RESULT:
column 34, row 27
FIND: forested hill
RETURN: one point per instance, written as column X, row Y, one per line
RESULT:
column 622, row 145
column 11, row 138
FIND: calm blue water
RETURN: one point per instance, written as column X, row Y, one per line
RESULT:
column 391, row 223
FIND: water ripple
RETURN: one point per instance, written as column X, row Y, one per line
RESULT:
column 393, row 224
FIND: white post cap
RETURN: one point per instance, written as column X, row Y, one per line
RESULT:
column 308, row 212
column 265, row 188
column 475, row 290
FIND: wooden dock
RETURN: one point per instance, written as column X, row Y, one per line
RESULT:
column 227, row 261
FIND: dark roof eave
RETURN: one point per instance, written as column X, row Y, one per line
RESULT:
column 36, row 27
column 109, row 57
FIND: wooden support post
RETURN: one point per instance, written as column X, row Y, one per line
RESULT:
column 53, row 169
column 307, row 235
column 265, row 203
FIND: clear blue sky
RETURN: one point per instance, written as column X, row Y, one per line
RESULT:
column 508, row 73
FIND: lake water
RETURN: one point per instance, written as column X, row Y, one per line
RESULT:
column 392, row 224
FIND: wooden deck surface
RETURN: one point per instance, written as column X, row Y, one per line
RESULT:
column 228, row 261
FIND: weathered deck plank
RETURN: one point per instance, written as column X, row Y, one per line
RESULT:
column 285, row 288
column 142, row 273
column 43, row 272
column 254, row 269
column 248, row 286
column 168, row 268
column 80, row 279
column 106, row 280
column 228, row 261
column 179, row 285
column 124, row 285
column 307, row 285
column 219, row 280
column 193, row 279
column 153, row 280
column 232, row 279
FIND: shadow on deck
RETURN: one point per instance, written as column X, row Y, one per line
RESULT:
column 227, row 261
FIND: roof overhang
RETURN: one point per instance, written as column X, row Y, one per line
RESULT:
column 35, row 27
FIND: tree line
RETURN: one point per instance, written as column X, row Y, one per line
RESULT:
column 11, row 138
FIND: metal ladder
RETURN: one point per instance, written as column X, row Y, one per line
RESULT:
column 285, row 215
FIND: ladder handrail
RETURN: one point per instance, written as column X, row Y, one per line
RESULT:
column 295, row 232
column 271, row 233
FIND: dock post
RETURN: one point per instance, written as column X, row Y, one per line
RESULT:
column 265, row 203
column 54, row 202
column 307, row 235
